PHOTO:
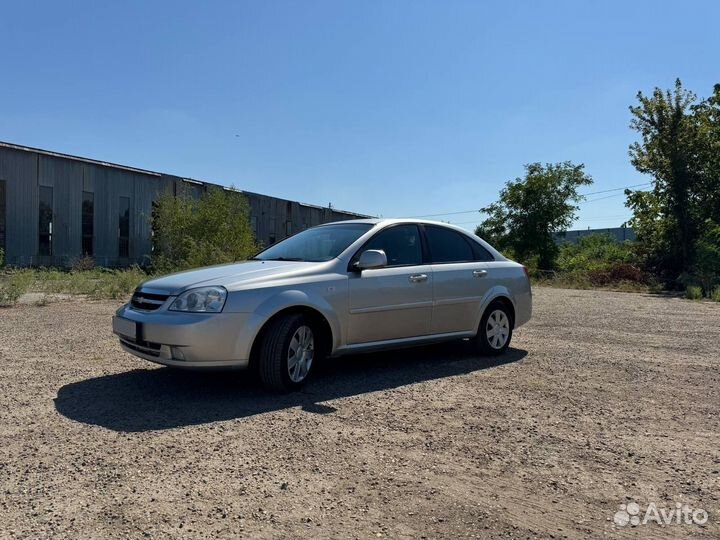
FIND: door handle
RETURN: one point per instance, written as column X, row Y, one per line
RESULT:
column 479, row 273
column 417, row 278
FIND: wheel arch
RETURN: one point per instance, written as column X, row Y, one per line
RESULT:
column 497, row 294
column 505, row 301
column 318, row 319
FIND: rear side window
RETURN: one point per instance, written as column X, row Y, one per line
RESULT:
column 448, row 246
column 401, row 245
column 481, row 254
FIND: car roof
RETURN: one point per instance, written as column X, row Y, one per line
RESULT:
column 390, row 221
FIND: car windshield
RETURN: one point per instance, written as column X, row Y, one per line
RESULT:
column 315, row 245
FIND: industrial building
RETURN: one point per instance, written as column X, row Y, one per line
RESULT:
column 55, row 208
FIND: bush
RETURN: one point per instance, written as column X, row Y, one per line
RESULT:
column 594, row 252
column 118, row 284
column 693, row 292
column 715, row 294
column 12, row 286
column 615, row 273
column 83, row 263
column 2, row 257
column 599, row 260
column 188, row 233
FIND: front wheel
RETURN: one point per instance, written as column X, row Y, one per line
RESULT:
column 287, row 353
column 495, row 332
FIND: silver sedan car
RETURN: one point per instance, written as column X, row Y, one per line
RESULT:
column 345, row 287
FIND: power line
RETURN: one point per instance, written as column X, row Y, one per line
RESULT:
column 603, row 198
column 447, row 214
column 617, row 216
column 603, row 220
column 585, row 220
column 465, row 222
column 583, row 202
column 616, row 189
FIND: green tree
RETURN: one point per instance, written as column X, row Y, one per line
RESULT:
column 532, row 209
column 707, row 257
column 654, row 230
column 708, row 153
column 680, row 147
column 666, row 221
column 212, row 229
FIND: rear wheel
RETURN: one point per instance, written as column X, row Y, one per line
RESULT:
column 495, row 330
column 287, row 353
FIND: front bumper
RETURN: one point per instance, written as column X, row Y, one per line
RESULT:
column 188, row 340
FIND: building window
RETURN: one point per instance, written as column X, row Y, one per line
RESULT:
column 253, row 224
column 124, row 228
column 288, row 228
column 45, row 231
column 2, row 214
column 88, row 222
column 271, row 239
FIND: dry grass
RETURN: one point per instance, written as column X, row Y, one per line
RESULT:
column 97, row 283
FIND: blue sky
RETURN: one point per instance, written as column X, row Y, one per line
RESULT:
column 393, row 108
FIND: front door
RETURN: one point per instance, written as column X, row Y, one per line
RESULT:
column 394, row 301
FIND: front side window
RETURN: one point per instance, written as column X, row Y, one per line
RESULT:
column 315, row 245
column 400, row 243
column 45, row 230
column 124, row 228
column 88, row 222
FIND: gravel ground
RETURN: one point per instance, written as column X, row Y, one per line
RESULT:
column 605, row 399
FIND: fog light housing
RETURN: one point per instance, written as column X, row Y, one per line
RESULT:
column 177, row 353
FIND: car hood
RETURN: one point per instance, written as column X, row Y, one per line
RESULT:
column 227, row 275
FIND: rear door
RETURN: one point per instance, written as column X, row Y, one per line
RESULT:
column 460, row 279
column 395, row 301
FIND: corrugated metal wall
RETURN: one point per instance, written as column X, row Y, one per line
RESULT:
column 24, row 170
column 19, row 171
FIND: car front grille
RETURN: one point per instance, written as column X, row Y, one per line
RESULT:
column 147, row 301
column 145, row 347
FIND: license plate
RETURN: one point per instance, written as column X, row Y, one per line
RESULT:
column 124, row 327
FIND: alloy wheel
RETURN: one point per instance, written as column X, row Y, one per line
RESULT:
column 301, row 353
column 497, row 329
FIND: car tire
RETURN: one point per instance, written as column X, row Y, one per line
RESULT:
column 495, row 331
column 288, row 338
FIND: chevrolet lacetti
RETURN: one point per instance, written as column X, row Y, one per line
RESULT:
column 345, row 287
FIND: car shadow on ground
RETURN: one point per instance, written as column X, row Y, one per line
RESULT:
column 164, row 398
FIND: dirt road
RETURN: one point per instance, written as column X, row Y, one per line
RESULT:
column 605, row 399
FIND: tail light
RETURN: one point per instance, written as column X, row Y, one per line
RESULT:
column 527, row 272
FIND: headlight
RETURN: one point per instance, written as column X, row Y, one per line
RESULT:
column 203, row 299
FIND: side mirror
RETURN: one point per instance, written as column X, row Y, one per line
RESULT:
column 372, row 258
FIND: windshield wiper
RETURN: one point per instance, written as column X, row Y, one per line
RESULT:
column 296, row 259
